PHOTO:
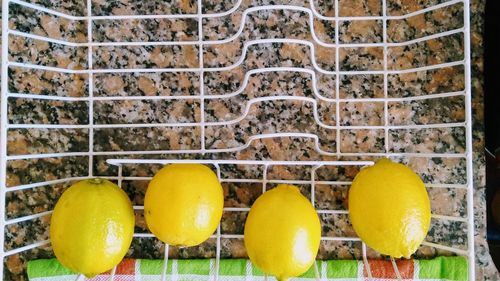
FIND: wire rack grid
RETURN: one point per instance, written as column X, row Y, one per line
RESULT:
column 116, row 158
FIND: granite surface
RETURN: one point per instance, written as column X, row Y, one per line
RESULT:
column 347, row 122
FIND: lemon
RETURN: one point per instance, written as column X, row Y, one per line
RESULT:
column 183, row 204
column 92, row 226
column 282, row 232
column 389, row 208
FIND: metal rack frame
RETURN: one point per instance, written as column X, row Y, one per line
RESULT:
column 200, row 70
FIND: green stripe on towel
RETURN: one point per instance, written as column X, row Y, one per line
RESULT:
column 438, row 268
column 153, row 267
column 342, row 269
column 195, row 267
column 47, row 268
column 233, row 268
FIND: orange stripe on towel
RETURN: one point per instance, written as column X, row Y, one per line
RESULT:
column 384, row 269
column 126, row 267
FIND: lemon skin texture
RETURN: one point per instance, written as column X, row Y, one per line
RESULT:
column 282, row 232
column 389, row 208
column 92, row 226
column 183, row 204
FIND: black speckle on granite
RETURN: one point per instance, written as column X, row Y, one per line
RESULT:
column 135, row 189
column 35, row 111
column 233, row 249
column 50, row 83
column 261, row 85
column 145, row 57
column 325, row 30
column 346, row 250
column 34, row 200
column 241, row 195
column 140, row 222
column 428, row 82
column 432, row 140
column 284, row 172
column 361, row 113
column 263, row 55
column 431, row 52
column 205, row 250
column 141, row 139
column 233, row 222
column 241, row 171
column 267, row 118
column 324, row 8
column 336, row 173
column 32, row 21
column 448, row 201
column 25, row 233
column 73, row 7
column 146, row 111
column 401, row 7
column 138, row 7
column 437, row 21
column 448, row 233
column 331, row 197
column 45, row 169
column 430, row 111
column 361, row 58
column 289, row 148
column 147, row 84
column 352, row 8
column 212, row 7
column 336, row 225
column 264, row 85
column 362, row 141
column 153, row 30
column 33, row 51
column 365, row 31
column 434, row 171
column 263, row 24
column 34, row 141
column 361, row 86
column 146, row 248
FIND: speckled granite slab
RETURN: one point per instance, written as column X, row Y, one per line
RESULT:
column 355, row 105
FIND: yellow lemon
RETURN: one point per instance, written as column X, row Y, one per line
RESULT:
column 389, row 208
column 183, row 204
column 282, row 232
column 92, row 226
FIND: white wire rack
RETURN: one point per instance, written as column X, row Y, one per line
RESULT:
column 311, row 13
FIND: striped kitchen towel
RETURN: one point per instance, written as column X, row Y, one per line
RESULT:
column 441, row 268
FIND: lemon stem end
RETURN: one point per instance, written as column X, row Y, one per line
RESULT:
column 96, row 181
